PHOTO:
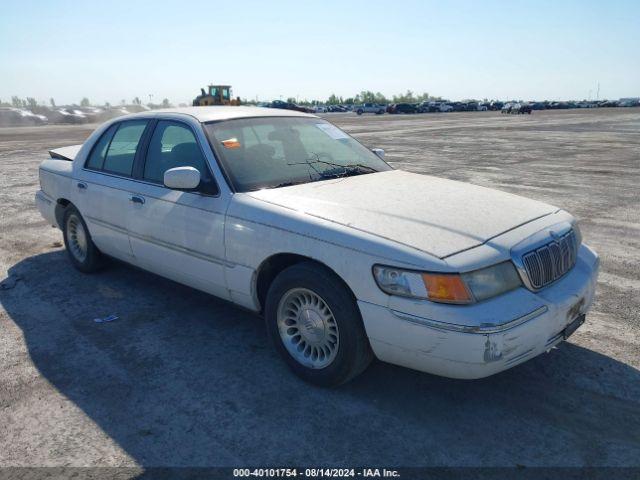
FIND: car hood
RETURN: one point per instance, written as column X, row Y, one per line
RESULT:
column 434, row 215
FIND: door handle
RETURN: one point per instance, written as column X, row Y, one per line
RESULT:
column 136, row 199
column 82, row 185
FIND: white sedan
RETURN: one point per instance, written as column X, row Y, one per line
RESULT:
column 345, row 257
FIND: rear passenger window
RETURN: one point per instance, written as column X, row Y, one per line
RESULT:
column 122, row 150
column 96, row 159
column 173, row 145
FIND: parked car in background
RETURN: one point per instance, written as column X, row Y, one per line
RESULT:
column 320, row 109
column 434, row 107
column 68, row 115
column 458, row 106
column 478, row 107
column 524, row 108
column 370, row 108
column 443, row 107
column 432, row 274
column 517, row 108
column 495, row 105
column 402, row 108
column 17, row 117
column 425, row 107
column 289, row 106
column 629, row 102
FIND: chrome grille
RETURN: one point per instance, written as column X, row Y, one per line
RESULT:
column 549, row 262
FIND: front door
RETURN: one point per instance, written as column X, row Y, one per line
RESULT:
column 178, row 234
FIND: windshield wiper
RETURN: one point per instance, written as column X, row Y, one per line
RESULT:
column 287, row 184
column 339, row 170
column 347, row 171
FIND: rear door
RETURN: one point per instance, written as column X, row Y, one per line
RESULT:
column 103, row 187
column 178, row 234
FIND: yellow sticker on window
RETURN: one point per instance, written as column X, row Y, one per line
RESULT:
column 231, row 143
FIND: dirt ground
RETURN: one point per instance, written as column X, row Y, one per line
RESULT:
column 182, row 378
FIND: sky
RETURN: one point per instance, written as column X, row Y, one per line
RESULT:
column 115, row 50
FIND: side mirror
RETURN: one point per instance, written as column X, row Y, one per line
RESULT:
column 182, row 178
column 379, row 152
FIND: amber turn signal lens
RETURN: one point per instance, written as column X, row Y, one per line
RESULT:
column 446, row 288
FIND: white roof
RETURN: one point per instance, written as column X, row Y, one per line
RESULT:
column 212, row 113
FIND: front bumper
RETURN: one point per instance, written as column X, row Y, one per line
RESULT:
column 459, row 341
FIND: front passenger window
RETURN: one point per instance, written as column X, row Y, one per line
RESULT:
column 174, row 145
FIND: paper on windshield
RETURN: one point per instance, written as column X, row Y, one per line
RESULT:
column 332, row 131
column 231, row 143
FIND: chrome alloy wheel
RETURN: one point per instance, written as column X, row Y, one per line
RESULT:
column 308, row 328
column 77, row 238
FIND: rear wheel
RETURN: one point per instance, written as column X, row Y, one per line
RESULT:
column 315, row 325
column 83, row 253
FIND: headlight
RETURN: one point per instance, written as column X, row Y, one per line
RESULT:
column 491, row 281
column 438, row 287
column 448, row 287
column 578, row 233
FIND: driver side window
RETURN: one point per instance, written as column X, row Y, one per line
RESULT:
column 174, row 145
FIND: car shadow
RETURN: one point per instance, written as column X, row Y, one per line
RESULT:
column 184, row 379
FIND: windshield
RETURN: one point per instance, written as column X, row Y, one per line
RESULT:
column 269, row 152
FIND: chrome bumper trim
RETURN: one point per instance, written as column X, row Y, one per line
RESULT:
column 479, row 329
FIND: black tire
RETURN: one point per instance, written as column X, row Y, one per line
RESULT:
column 353, row 352
column 359, row 112
column 93, row 260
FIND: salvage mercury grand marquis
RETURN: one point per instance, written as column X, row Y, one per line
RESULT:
column 345, row 257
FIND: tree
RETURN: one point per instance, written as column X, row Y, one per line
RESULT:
column 17, row 102
column 405, row 98
column 367, row 96
column 379, row 98
column 52, row 102
column 291, row 100
column 165, row 103
column 334, row 100
column 31, row 103
column 85, row 102
column 136, row 101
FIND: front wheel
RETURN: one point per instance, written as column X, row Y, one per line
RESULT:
column 83, row 253
column 315, row 325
